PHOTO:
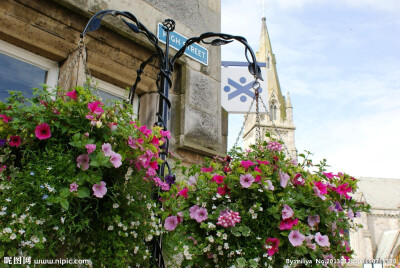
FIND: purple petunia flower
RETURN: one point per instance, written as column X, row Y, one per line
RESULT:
column 287, row 212
column 322, row 240
column 246, row 180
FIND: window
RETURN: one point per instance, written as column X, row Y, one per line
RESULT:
column 22, row 70
column 109, row 91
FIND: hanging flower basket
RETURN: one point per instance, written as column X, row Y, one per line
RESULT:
column 76, row 179
column 259, row 209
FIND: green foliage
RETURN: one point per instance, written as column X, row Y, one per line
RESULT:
column 41, row 214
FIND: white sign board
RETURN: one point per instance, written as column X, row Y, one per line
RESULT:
column 237, row 91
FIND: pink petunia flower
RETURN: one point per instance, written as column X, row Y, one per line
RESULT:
column 192, row 211
column 322, row 240
column 309, row 243
column 184, row 192
column 246, row 164
column 115, row 159
column 287, row 224
column 284, row 178
column 95, row 108
column 171, row 222
column 99, row 190
column 328, row 175
column 246, row 180
column 201, row 214
column 107, row 149
column 296, row 238
column 155, row 141
column 72, row 94
column 90, row 148
column 218, row 178
column 165, row 134
column 42, row 131
column 15, row 141
column 73, row 187
column 313, row 220
column 83, row 161
column 270, row 185
column 271, row 245
column 350, row 214
column 287, row 212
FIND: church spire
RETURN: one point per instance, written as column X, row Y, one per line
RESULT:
column 265, row 55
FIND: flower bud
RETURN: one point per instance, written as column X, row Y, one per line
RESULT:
column 99, row 124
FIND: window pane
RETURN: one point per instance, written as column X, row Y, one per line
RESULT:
column 107, row 96
column 20, row 76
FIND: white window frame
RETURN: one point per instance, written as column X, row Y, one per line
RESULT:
column 24, row 55
column 117, row 91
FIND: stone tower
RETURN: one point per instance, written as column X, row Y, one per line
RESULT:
column 279, row 107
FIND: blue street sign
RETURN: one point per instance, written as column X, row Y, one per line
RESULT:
column 177, row 41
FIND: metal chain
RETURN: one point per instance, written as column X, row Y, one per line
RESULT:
column 244, row 123
column 69, row 69
column 256, row 87
column 276, row 128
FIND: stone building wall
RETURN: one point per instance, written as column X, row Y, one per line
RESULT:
column 51, row 28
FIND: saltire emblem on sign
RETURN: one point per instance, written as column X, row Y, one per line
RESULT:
column 237, row 88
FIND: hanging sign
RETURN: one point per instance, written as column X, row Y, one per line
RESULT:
column 237, row 91
column 176, row 41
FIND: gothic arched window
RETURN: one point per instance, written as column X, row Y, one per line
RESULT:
column 273, row 109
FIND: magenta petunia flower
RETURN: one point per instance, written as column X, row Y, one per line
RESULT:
column 322, row 240
column 171, row 222
column 83, row 161
column 42, row 131
column 287, row 224
column 218, row 179
column 261, row 162
column 15, row 141
column 246, row 164
column 115, row 159
column 99, row 190
column 5, row 118
column 284, row 178
column 184, row 192
column 145, row 131
column 201, row 214
column 287, row 212
column 313, row 220
column 271, row 245
column 328, row 175
column 95, row 108
column 246, row 180
column 107, row 149
column 296, row 238
column 72, row 94
column 209, row 169
column 73, row 187
column 90, row 148
column 2, row 168
column 321, row 187
column 298, row 180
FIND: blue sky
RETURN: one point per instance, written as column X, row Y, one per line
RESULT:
column 340, row 61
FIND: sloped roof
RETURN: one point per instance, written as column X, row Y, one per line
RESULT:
column 380, row 193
